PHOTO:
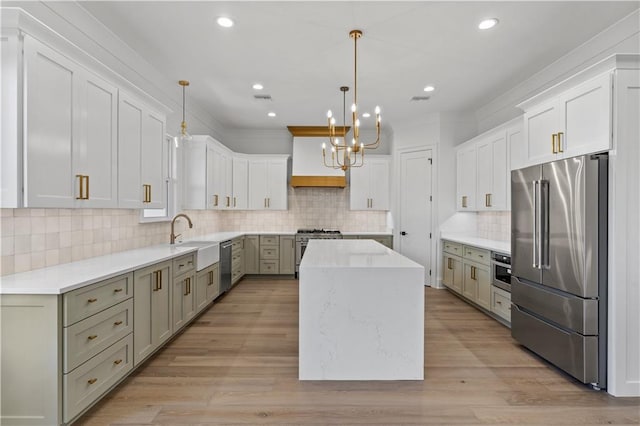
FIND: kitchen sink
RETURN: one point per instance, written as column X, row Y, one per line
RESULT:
column 208, row 252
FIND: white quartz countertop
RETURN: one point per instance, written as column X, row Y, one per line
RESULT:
column 366, row 233
column 218, row 237
column 495, row 245
column 352, row 254
column 70, row 276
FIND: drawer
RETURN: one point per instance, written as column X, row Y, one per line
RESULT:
column 477, row 255
column 88, row 382
column 501, row 303
column 91, row 336
column 236, row 274
column 184, row 264
column 237, row 245
column 269, row 253
column 84, row 302
column 452, row 248
column 236, row 260
column 269, row 240
column 269, row 267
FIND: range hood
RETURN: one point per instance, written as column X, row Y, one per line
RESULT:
column 307, row 166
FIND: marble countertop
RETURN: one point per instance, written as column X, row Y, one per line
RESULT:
column 472, row 240
column 63, row 278
column 352, row 254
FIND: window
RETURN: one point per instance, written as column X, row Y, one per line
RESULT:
column 166, row 213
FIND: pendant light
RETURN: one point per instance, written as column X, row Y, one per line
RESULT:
column 184, row 135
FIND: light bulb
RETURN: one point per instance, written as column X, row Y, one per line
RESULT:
column 358, row 122
column 377, row 110
column 353, row 108
column 336, row 141
column 324, row 146
column 333, row 121
column 333, row 149
column 362, row 147
column 329, row 114
column 353, row 141
column 348, row 149
column 379, row 118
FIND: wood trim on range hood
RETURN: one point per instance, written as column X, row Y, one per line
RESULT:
column 319, row 181
column 316, row 131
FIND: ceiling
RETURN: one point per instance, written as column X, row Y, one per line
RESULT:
column 301, row 52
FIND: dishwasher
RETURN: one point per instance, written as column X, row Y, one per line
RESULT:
column 225, row 266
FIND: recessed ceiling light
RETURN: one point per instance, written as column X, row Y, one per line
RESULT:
column 271, row 114
column 224, row 21
column 366, row 115
column 258, row 86
column 429, row 89
column 488, row 23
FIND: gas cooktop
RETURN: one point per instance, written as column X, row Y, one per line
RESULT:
column 318, row 231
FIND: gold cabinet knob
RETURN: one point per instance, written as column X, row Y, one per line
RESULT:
column 117, row 323
column 92, row 300
column 92, row 337
column 117, row 361
column 92, row 381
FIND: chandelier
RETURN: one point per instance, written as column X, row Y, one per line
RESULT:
column 343, row 154
column 184, row 135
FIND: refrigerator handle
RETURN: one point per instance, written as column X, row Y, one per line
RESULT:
column 544, row 224
column 536, row 216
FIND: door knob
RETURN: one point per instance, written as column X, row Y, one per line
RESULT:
column 403, row 233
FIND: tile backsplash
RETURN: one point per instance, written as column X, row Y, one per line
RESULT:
column 36, row 238
column 494, row 225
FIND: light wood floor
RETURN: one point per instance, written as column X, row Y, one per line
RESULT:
column 237, row 364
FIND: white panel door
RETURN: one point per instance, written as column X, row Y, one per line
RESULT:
column 359, row 188
column 415, row 208
column 257, row 184
column 218, row 179
column 49, row 130
column 466, row 179
column 240, row 183
column 484, row 175
column 130, row 119
column 95, row 153
column 500, row 171
column 379, row 184
column 154, row 159
column 227, row 160
column 194, row 172
column 277, row 185
column 540, row 124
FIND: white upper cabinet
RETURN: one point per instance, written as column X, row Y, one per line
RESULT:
column 69, row 134
column 491, row 190
column 268, row 182
column 572, row 123
column 71, row 137
column 369, row 187
column 466, row 179
column 240, row 182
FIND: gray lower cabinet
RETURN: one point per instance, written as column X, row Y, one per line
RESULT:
column 207, row 286
column 452, row 272
column 184, row 292
column 66, row 352
column 269, row 254
column 384, row 239
column 287, row 254
column 237, row 259
column 152, row 309
column 252, row 254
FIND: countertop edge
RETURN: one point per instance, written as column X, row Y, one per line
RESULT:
column 475, row 241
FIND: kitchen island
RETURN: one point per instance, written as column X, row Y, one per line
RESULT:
column 361, row 314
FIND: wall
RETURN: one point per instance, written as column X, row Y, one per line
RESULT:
column 36, row 238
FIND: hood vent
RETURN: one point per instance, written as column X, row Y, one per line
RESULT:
column 420, row 98
column 308, row 170
column 263, row 97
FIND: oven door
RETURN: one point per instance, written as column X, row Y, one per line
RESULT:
column 502, row 276
column 301, row 246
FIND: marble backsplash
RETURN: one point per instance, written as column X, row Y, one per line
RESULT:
column 494, row 225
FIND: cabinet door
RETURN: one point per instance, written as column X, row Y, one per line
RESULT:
column 195, row 161
column 470, row 282
column 497, row 198
column 458, row 274
column 359, row 189
column 484, row 173
column 277, row 185
column 184, row 301
column 587, row 118
column 213, row 285
column 252, row 254
column 240, row 183
column 95, row 151
column 154, row 159
column 130, row 119
column 203, row 280
column 287, row 254
column 466, row 179
column 49, row 128
column 212, row 197
column 152, row 309
column 228, row 180
column 218, row 174
column 257, row 184
column 379, row 184
column 540, row 124
column 483, row 278
column 447, row 271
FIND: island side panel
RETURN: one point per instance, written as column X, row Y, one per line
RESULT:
column 361, row 324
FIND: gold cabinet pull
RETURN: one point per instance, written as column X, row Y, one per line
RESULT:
column 554, row 150
column 117, row 361
column 156, row 285
column 81, row 195
column 228, row 201
column 234, row 201
column 92, row 300
column 560, row 135
column 92, row 337
column 86, row 195
column 117, row 323
column 117, row 290
column 215, row 200
column 498, row 302
column 464, row 201
column 160, row 279
column 92, row 381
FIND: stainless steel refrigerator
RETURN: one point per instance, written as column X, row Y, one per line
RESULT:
column 559, row 264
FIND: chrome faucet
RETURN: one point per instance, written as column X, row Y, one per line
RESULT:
column 173, row 222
